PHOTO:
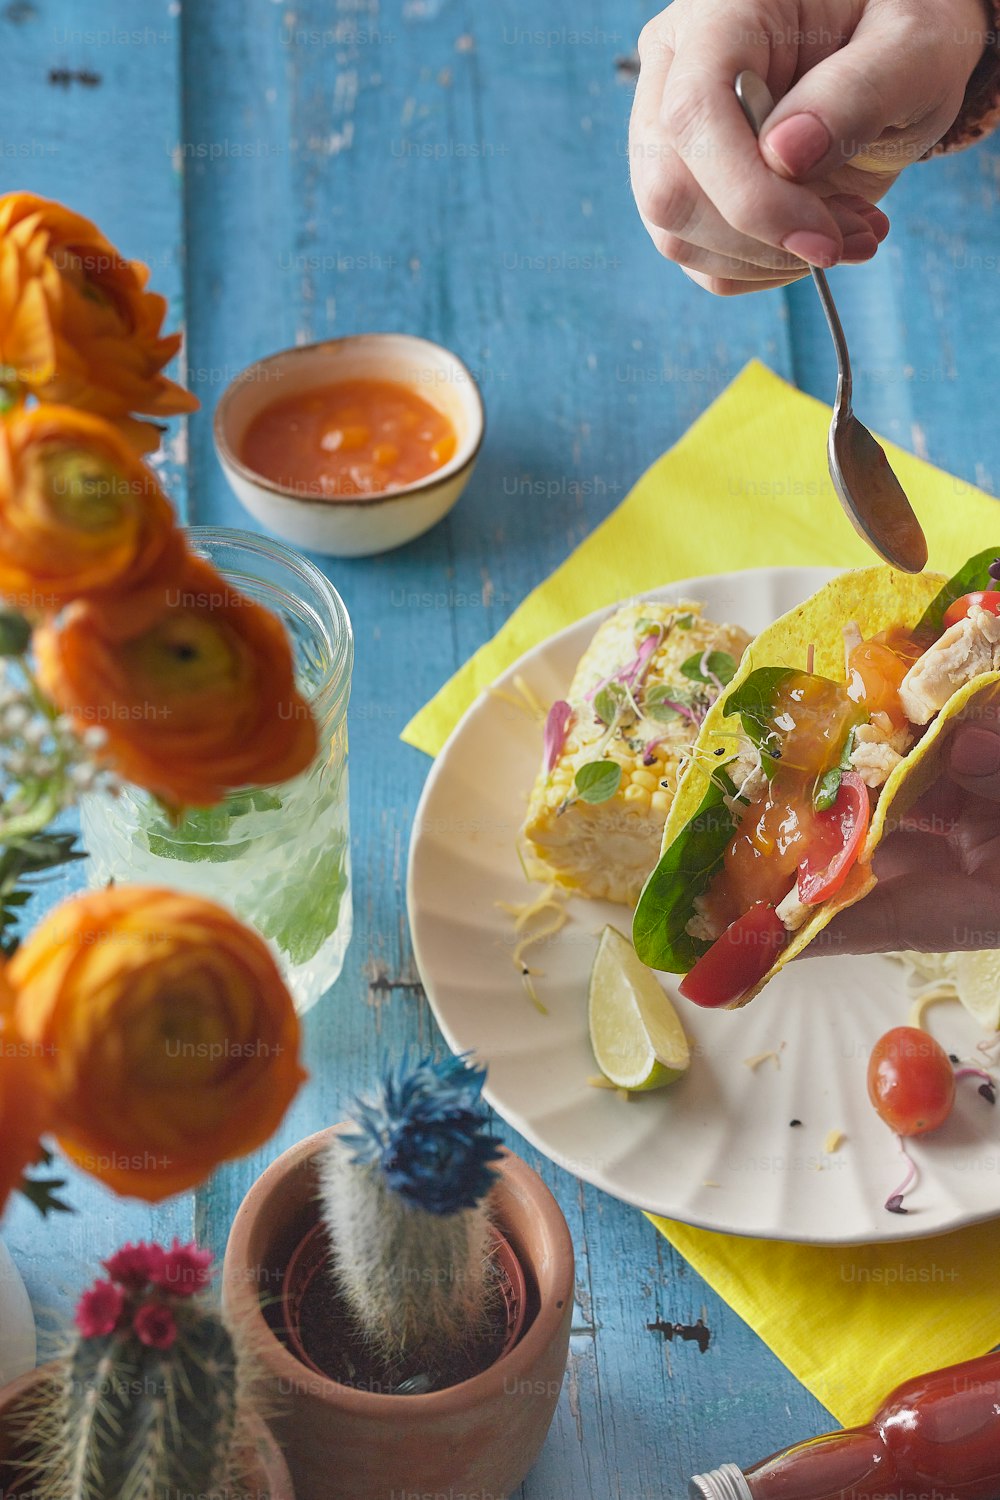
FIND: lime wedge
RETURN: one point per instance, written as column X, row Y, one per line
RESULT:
column 638, row 1041
column 977, row 980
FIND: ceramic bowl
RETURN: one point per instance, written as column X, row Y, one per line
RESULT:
column 361, row 526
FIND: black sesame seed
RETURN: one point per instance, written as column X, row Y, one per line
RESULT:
column 988, row 1092
column 953, row 1058
column 795, row 1122
column 895, row 1204
column 721, row 750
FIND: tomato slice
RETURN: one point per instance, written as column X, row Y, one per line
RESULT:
column 835, row 841
column 989, row 599
column 738, row 959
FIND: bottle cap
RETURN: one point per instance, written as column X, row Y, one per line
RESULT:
column 726, row 1483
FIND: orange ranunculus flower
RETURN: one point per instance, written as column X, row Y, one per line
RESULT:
column 25, row 1112
column 81, row 516
column 168, row 1036
column 76, row 322
column 196, row 704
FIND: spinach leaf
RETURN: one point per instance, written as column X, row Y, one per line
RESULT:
column 598, row 780
column 719, row 664
column 974, row 575
column 685, row 870
column 827, row 787
column 753, row 700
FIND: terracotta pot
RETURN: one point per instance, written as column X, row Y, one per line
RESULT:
column 479, row 1437
column 267, row 1476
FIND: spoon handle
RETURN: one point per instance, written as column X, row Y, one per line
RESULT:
column 757, row 103
column 845, row 380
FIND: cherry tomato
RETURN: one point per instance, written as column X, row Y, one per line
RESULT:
column 988, row 600
column 835, row 841
column 737, row 960
column 875, row 670
column 911, row 1082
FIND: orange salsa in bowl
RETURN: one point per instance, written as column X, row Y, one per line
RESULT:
column 348, row 440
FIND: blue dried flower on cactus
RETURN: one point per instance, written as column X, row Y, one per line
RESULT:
column 427, row 1129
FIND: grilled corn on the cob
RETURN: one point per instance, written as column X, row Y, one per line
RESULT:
column 636, row 702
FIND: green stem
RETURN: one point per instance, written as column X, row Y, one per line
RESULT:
column 37, row 817
column 44, row 705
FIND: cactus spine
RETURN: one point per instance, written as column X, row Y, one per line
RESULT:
column 149, row 1424
column 146, row 1402
column 402, row 1197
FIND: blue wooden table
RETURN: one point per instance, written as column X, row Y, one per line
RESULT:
column 296, row 170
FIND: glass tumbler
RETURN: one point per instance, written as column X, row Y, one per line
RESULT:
column 278, row 856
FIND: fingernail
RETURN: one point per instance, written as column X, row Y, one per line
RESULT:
column 861, row 246
column 800, row 141
column 848, row 207
column 975, row 752
column 877, row 219
column 817, row 249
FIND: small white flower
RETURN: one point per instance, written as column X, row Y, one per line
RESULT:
column 83, row 776
column 35, row 732
column 95, row 738
column 16, row 718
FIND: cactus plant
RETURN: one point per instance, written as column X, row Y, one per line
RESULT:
column 402, row 1198
column 146, row 1403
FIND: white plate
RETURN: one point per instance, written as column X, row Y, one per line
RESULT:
column 717, row 1148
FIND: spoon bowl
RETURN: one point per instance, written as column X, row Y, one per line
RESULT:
column 858, row 466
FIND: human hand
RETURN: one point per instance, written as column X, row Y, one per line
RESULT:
column 864, row 87
column 939, row 873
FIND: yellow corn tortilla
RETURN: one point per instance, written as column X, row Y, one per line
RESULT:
column 876, row 599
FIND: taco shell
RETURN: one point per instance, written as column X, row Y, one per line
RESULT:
column 876, row 599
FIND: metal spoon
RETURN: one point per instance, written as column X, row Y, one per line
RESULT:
column 868, row 489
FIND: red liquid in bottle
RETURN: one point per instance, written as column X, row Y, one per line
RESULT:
column 936, row 1438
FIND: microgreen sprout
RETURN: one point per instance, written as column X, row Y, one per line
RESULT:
column 894, row 1202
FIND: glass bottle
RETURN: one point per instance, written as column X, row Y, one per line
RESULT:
column 937, row 1435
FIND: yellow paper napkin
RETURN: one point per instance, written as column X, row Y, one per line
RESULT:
column 747, row 487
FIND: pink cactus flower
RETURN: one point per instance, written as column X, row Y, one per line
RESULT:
column 185, row 1270
column 155, row 1325
column 135, row 1266
column 99, row 1310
